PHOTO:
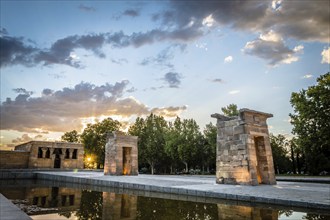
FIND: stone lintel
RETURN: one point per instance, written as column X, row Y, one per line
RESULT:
column 254, row 112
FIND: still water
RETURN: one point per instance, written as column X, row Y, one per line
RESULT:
column 49, row 200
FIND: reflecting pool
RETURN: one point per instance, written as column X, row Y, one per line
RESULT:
column 51, row 200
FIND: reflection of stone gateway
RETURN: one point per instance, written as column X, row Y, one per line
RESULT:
column 244, row 155
column 121, row 155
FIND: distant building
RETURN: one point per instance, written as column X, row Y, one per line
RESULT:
column 44, row 154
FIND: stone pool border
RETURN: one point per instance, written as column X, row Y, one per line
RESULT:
column 156, row 184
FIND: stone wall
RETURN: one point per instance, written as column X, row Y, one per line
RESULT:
column 119, row 206
column 238, row 212
column 244, row 154
column 121, row 155
column 14, row 159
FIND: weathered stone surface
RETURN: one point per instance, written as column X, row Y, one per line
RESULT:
column 121, row 155
column 44, row 154
column 244, row 154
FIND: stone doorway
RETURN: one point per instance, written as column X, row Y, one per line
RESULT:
column 57, row 159
column 261, row 162
column 127, row 160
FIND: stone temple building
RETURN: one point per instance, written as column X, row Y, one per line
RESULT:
column 121, row 154
column 244, row 154
column 44, row 154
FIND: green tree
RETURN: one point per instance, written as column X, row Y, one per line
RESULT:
column 280, row 153
column 172, row 141
column 137, row 129
column 71, row 136
column 230, row 110
column 210, row 146
column 311, row 121
column 151, row 132
column 190, row 141
column 94, row 138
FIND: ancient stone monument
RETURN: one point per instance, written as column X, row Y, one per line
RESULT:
column 244, row 155
column 121, row 155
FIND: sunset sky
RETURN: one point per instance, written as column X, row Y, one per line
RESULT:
column 68, row 63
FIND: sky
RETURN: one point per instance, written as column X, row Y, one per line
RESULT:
column 65, row 64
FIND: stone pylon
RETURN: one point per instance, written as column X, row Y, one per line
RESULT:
column 121, row 154
column 244, row 154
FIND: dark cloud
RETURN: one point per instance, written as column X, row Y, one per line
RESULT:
column 272, row 48
column 217, row 80
column 66, row 109
column 22, row 91
column 14, row 51
column 62, row 51
column 86, row 8
column 3, row 31
column 172, row 79
column 303, row 20
column 181, row 22
column 132, row 13
column 164, row 57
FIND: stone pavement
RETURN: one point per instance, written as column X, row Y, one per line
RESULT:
column 9, row 211
column 290, row 194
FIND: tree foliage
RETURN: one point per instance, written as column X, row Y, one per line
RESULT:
column 230, row 110
column 71, row 136
column 280, row 153
column 311, row 121
column 172, row 144
column 151, row 133
column 94, row 138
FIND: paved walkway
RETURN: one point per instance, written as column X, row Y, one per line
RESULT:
column 9, row 211
column 293, row 194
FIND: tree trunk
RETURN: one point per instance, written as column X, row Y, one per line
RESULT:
column 298, row 163
column 152, row 168
column 293, row 161
column 186, row 166
column 171, row 169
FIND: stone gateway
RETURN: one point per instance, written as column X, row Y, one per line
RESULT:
column 121, row 155
column 244, row 154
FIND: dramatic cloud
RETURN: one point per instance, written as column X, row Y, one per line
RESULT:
column 326, row 55
column 186, row 21
column 14, row 51
column 303, row 20
column 270, row 46
column 228, row 59
column 68, row 108
column 173, row 79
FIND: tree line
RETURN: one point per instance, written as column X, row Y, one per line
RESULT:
column 180, row 145
column 164, row 147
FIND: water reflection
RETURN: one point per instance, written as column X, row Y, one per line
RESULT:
column 72, row 203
